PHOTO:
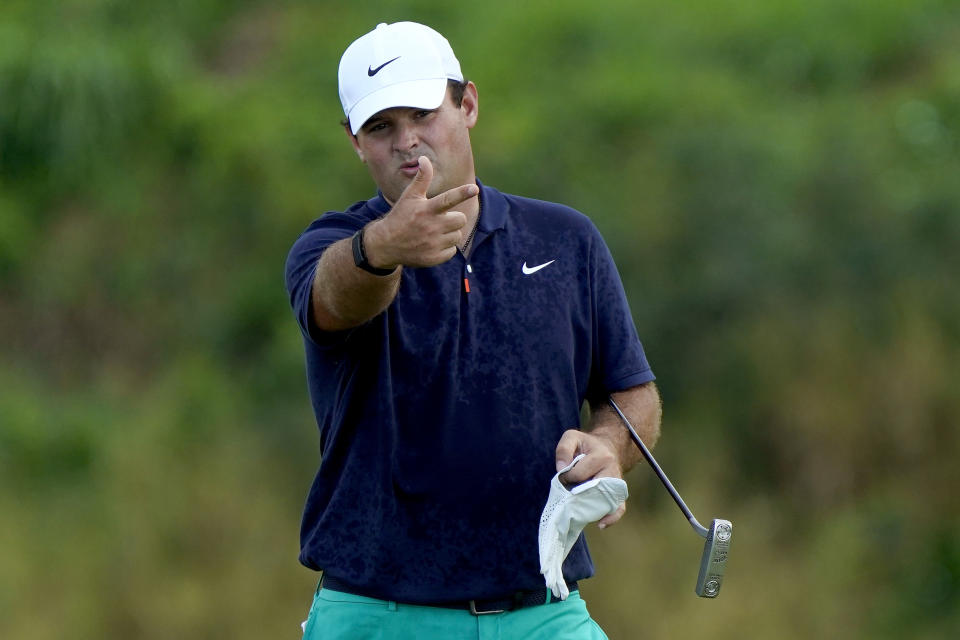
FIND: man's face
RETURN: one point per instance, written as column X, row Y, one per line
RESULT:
column 390, row 142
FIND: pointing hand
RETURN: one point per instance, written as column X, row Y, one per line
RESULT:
column 419, row 231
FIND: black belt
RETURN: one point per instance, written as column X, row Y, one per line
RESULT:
column 518, row 600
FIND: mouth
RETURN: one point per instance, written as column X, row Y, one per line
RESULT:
column 409, row 169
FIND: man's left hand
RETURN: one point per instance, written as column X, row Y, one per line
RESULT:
column 601, row 461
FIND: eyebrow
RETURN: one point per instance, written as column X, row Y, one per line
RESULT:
column 374, row 119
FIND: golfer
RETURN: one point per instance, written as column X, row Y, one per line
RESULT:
column 452, row 333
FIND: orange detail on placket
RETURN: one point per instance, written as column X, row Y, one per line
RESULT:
column 466, row 285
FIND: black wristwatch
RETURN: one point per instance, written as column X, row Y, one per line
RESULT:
column 360, row 257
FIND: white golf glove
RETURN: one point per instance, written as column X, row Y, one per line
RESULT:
column 565, row 515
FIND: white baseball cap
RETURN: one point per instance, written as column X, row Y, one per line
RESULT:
column 404, row 64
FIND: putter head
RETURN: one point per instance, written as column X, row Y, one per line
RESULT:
column 714, row 559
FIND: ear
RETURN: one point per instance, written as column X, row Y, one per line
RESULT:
column 354, row 142
column 470, row 105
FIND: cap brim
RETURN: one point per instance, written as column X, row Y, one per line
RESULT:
column 417, row 94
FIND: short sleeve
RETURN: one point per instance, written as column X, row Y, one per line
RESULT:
column 301, row 266
column 619, row 361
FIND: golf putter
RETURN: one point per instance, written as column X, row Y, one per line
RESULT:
column 715, row 549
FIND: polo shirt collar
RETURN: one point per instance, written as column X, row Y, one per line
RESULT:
column 378, row 203
column 493, row 209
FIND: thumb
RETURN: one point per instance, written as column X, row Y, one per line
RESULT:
column 421, row 182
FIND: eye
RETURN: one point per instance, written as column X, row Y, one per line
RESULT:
column 423, row 113
column 380, row 125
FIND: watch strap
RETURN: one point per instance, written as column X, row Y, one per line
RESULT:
column 360, row 257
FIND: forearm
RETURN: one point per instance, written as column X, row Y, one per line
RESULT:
column 641, row 405
column 345, row 296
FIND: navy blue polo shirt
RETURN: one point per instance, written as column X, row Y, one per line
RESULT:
column 439, row 417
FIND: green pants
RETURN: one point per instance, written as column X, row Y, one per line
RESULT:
column 343, row 616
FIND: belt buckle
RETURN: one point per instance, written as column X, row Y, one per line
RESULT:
column 473, row 610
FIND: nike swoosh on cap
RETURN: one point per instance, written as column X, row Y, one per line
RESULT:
column 528, row 270
column 372, row 72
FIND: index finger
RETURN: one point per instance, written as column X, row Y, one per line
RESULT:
column 567, row 448
column 587, row 469
column 601, row 461
column 449, row 199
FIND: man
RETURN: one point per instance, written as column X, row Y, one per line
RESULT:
column 452, row 333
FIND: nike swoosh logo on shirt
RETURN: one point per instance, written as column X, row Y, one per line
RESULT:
column 528, row 270
column 372, row 72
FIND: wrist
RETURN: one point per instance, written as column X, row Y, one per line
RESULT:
column 619, row 443
column 376, row 248
column 361, row 256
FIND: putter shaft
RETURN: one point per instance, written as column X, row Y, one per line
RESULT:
column 713, row 561
column 702, row 531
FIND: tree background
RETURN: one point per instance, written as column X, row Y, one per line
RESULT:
column 778, row 183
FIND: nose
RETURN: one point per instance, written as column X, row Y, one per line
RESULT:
column 406, row 138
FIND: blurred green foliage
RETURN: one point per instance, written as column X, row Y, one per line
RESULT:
column 779, row 183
